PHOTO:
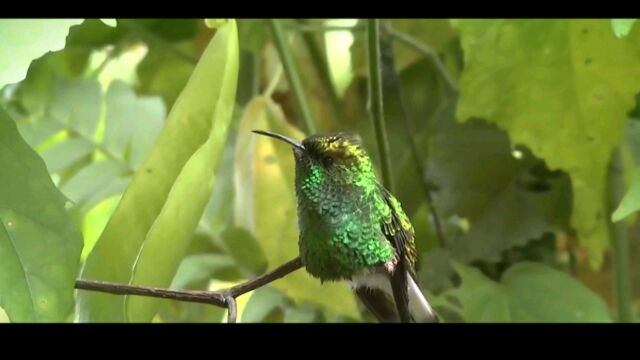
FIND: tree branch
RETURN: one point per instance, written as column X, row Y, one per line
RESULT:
column 222, row 298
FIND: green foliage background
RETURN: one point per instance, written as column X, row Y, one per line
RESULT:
column 126, row 155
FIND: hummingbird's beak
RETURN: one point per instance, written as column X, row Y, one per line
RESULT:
column 290, row 141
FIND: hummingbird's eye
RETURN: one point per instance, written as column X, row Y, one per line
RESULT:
column 327, row 160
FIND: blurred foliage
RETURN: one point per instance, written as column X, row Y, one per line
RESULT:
column 144, row 126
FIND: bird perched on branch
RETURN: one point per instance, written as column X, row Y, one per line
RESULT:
column 352, row 229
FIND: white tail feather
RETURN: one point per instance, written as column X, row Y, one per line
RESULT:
column 418, row 305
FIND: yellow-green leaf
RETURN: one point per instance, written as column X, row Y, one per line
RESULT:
column 543, row 82
column 147, row 236
column 527, row 292
column 39, row 244
column 631, row 201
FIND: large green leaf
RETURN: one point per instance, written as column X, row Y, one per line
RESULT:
column 39, row 245
column 24, row 40
column 561, row 87
column 478, row 178
column 265, row 204
column 527, row 292
column 150, row 230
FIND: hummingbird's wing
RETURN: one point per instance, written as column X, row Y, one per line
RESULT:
column 378, row 303
column 399, row 232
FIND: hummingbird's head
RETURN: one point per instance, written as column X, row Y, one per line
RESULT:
column 332, row 153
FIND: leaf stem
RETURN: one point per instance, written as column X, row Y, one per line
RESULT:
column 425, row 50
column 390, row 75
column 286, row 57
column 621, row 264
column 375, row 93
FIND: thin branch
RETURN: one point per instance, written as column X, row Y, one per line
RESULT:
column 375, row 93
column 621, row 265
column 286, row 57
column 420, row 47
column 198, row 296
column 393, row 82
column 222, row 298
column 232, row 308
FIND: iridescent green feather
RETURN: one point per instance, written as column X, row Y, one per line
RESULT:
column 347, row 221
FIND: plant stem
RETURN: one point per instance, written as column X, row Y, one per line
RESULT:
column 292, row 75
column 375, row 93
column 390, row 75
column 223, row 298
column 418, row 46
column 621, row 264
column 322, row 68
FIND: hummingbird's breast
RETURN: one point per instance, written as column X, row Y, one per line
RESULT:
column 340, row 231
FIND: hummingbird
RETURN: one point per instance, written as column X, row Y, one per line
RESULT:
column 354, row 230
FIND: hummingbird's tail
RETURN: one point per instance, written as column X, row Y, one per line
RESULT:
column 375, row 292
column 420, row 309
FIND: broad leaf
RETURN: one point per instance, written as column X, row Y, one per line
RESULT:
column 150, row 230
column 477, row 177
column 24, row 40
column 527, row 292
column 39, row 245
column 541, row 80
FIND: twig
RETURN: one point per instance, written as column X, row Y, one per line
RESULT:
column 393, row 82
column 621, row 265
column 232, row 308
column 375, row 93
column 222, row 298
column 286, row 57
column 418, row 46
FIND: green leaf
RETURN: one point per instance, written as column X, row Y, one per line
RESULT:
column 200, row 268
column 262, row 302
column 477, row 177
column 541, row 80
column 91, row 179
column 65, row 153
column 215, row 23
column 265, row 204
column 39, row 245
column 253, row 33
column 527, row 292
column 164, row 74
column 110, row 22
column 27, row 40
column 150, row 230
column 622, row 27
column 246, row 250
column 631, row 201
column 132, row 122
column 434, row 33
